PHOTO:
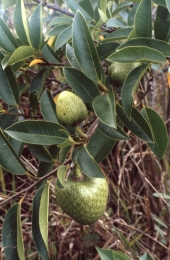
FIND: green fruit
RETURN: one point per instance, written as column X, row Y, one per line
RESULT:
column 83, row 200
column 119, row 71
column 70, row 108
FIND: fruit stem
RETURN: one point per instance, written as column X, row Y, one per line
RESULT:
column 103, row 87
column 77, row 173
column 80, row 132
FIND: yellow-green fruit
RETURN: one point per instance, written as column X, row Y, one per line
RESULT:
column 84, row 201
column 70, row 108
column 119, row 71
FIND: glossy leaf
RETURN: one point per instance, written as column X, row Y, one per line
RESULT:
column 38, row 132
column 106, row 49
column 71, row 57
column 20, row 22
column 162, row 24
column 74, row 7
column 88, row 58
column 9, row 90
column 118, row 34
column 104, row 107
column 49, row 55
column 137, row 125
column 11, row 234
column 137, row 53
column 35, row 28
column 7, row 40
column 6, row 151
column 7, row 3
column 21, row 53
column 100, row 145
column 40, row 221
column 88, row 165
column 63, row 37
column 40, row 152
column 159, row 131
column 48, row 107
column 116, row 134
column 85, row 88
column 129, row 87
column 158, row 45
column 143, row 19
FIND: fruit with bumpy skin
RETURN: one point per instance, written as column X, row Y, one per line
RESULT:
column 119, row 71
column 70, row 108
column 83, row 200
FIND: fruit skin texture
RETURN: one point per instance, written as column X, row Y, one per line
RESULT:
column 70, row 108
column 85, row 201
column 119, row 71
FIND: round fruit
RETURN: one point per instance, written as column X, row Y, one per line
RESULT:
column 119, row 71
column 83, row 200
column 70, row 108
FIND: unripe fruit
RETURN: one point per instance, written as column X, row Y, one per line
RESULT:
column 70, row 108
column 119, row 71
column 83, row 200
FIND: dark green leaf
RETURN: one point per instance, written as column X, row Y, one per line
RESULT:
column 88, row 58
column 162, row 24
column 137, row 53
column 87, row 7
column 121, row 6
column 118, row 34
column 58, row 29
column 131, row 16
column 63, row 37
column 48, row 107
column 88, row 165
column 71, row 57
column 7, row 119
column 74, row 7
column 116, row 134
column 49, row 55
column 40, row 152
column 159, row 131
column 114, row 22
column 35, row 28
column 106, row 49
column 17, row 146
column 33, row 99
column 143, row 19
column 38, row 132
column 63, row 154
column 85, row 88
column 129, row 87
column 40, row 221
column 21, row 53
column 11, row 234
column 6, row 151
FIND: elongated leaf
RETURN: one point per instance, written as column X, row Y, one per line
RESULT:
column 160, row 2
column 137, row 53
column 49, row 55
column 88, row 165
column 116, row 134
column 85, row 88
column 100, row 145
column 9, row 90
column 114, row 22
column 7, row 40
column 104, row 107
column 6, row 151
column 48, row 107
column 162, row 24
column 158, row 45
column 61, row 20
column 7, row 3
column 159, row 131
column 35, row 28
column 143, row 19
column 105, row 254
column 85, row 50
column 11, row 234
column 118, row 34
column 7, row 119
column 74, row 6
column 20, row 22
column 38, row 132
column 58, row 29
column 40, row 152
column 61, row 174
column 120, row 7
column 129, row 87
column 17, row 146
column 131, row 16
column 137, row 125
column 106, row 49
column 63, row 37
column 21, row 53
column 168, row 4
column 71, row 57
column 120, row 255
column 40, row 221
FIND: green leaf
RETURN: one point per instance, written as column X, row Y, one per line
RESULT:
column 146, row 256
column 106, row 49
column 85, row 50
column 121, row 6
column 6, row 151
column 16, row 145
column 40, row 152
column 87, row 7
column 129, row 87
column 33, row 99
column 116, row 134
column 58, row 29
column 7, row 40
column 11, row 234
column 158, row 45
column 104, row 107
column 20, row 22
column 48, row 107
column 63, row 154
column 21, row 53
column 38, row 132
column 7, row 3
column 100, row 145
column 159, row 131
column 120, row 256
column 105, row 254
column 49, row 55
column 85, row 88
column 137, row 53
column 74, row 7
column 61, row 174
column 160, row 2
column 168, row 4
column 114, row 22
column 137, row 125
column 143, row 19
column 40, row 221
column 88, row 165
column 61, row 20
column 7, row 120
column 63, row 37
column 70, row 54
column 131, row 16
column 118, row 34
column 35, row 28
column 162, row 24
column 9, row 90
